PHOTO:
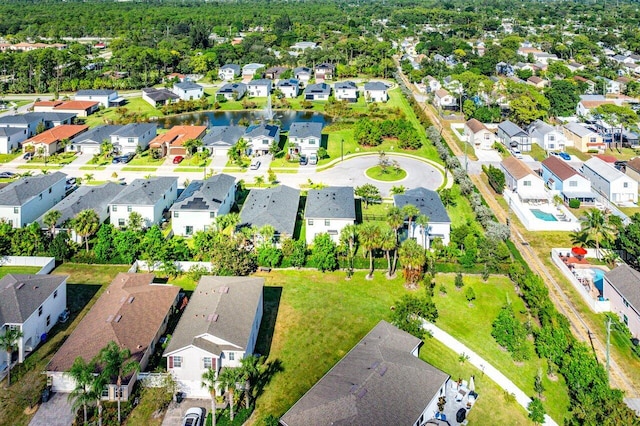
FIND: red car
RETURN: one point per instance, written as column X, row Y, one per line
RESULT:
column 178, row 159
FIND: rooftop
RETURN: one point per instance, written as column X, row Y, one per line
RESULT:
column 22, row 294
column 276, row 206
column 145, row 192
column 205, row 194
column 516, row 168
column 627, row 281
column 334, row 202
column 427, row 201
column 20, row 191
column 57, row 134
column 559, row 167
column 305, row 129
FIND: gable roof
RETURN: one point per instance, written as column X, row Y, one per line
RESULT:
column 21, row 119
column 604, row 169
column 427, row 201
column 98, row 92
column 223, row 135
column 634, row 164
column 333, row 202
column 510, row 128
column 129, row 312
column 9, row 131
column 441, row 93
column 205, row 194
column 159, row 95
column 349, row 85
column 96, row 135
column 475, row 126
column 22, row 294
column 135, row 130
column 234, row 67
column 276, row 206
column 187, row 85
column 260, row 82
column 289, row 82
column 578, row 129
column 145, row 192
column 516, row 168
column 76, row 105
column 178, row 135
column 20, row 191
column 318, row 88
column 262, row 130
column 305, row 129
column 58, row 133
column 375, row 85
column 378, row 382
column 559, row 167
column 627, row 281
column 239, row 88
column 223, row 307
column 304, row 70
column 539, row 129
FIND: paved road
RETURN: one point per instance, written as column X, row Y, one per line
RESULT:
column 55, row 412
column 488, row 369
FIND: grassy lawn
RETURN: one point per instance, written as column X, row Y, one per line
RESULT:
column 146, row 159
column 461, row 213
column 38, row 167
column 137, row 105
column 4, row 270
column 5, row 158
column 581, row 155
column 195, row 161
column 139, row 169
column 387, row 175
column 64, row 158
column 537, row 152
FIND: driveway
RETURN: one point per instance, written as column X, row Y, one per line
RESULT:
column 55, row 412
column 175, row 412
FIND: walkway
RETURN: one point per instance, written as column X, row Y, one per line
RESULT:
column 475, row 359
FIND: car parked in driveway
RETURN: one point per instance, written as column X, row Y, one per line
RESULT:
column 193, row 417
column 255, row 165
column 28, row 156
column 178, row 159
column 564, row 156
column 303, row 160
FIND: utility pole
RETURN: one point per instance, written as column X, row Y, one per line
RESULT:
column 608, row 342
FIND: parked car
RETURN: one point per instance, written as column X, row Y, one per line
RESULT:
column 71, row 181
column 564, row 156
column 123, row 158
column 178, row 159
column 64, row 316
column 255, row 165
column 303, row 160
column 6, row 175
column 193, row 417
column 313, row 159
column 516, row 153
column 28, row 156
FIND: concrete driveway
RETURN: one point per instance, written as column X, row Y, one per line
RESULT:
column 55, row 412
column 175, row 412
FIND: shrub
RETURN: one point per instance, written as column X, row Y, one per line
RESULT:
column 459, row 282
column 574, row 203
column 470, row 295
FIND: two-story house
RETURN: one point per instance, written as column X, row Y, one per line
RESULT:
column 620, row 287
column 259, row 138
column 521, row 180
column 126, row 139
column 277, row 206
column 220, row 139
column 188, row 90
column 325, row 71
column 478, row 135
column 546, row 136
column 252, row 70
column 90, row 142
column 329, row 210
column 150, row 198
column 560, row 176
column 274, row 73
column 610, row 182
column 201, row 202
column 512, row 136
column 432, row 84
column 228, row 72
column 317, row 92
column 289, row 87
column 232, row 91
column 106, row 97
column 29, row 122
column 259, row 88
column 376, row 91
column 444, row 100
column 302, row 74
column 429, row 204
column 305, row 137
column 11, row 139
column 218, row 328
column 345, row 91
column 24, row 200
column 583, row 138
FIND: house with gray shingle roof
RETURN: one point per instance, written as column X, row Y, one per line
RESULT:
column 221, row 138
column 380, row 381
column 512, row 136
column 26, row 199
column 430, row 205
column 376, row 91
column 260, row 88
column 276, row 206
column 289, row 87
column 328, row 210
column 29, row 121
column 302, row 74
column 188, row 90
column 232, row 91
column 305, row 137
column 106, row 97
column 201, row 202
column 317, row 92
column 228, row 72
column 158, row 97
column 33, row 304
column 345, row 91
column 621, row 286
column 259, row 137
column 218, row 328
column 609, row 181
column 126, row 139
column 10, row 139
column 148, row 197
column 89, row 142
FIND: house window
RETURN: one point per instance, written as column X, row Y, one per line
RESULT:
column 312, row 141
column 310, row 222
column 552, row 146
column 188, row 230
column 121, row 223
column 49, row 190
column 16, row 210
column 212, row 215
column 40, row 311
column 130, row 140
column 175, row 214
column 327, row 222
column 232, row 356
column 552, row 138
column 526, row 183
column 40, row 196
column 265, row 142
column 114, row 209
column 207, row 362
column 573, row 183
column 177, row 362
column 625, row 184
column 48, row 320
column 625, row 303
column 592, row 140
column 55, row 294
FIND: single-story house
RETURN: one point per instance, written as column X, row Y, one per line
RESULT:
column 260, row 137
column 128, row 137
column 172, row 142
column 24, row 200
column 133, row 312
column 317, row 92
column 302, row 74
column 79, row 108
column 11, row 139
column 536, row 81
column 325, row 71
column 329, row 210
column 376, row 91
column 218, row 328
column 549, row 138
column 221, row 138
column 583, row 138
column 430, row 205
column 188, row 90
column 560, row 176
column 632, row 169
column 621, row 286
column 611, row 182
column 106, row 97
column 46, row 106
column 159, row 97
column 380, row 381
column 290, row 87
column 274, row 73
column 521, row 180
column 148, row 197
column 259, row 88
column 228, row 72
column 512, row 136
column 345, row 91
column 584, row 106
column 305, row 137
column 232, row 91
column 444, row 100
column 251, row 70
column 49, row 141
column 478, row 135
column 32, row 304
column 277, row 206
column 201, row 202
column 90, row 142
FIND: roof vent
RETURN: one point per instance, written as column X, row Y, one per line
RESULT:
column 224, row 289
column 212, row 318
column 361, row 393
column 118, row 318
column 35, row 287
column 382, row 370
column 131, row 299
column 19, row 286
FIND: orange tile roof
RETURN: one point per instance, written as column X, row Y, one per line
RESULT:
column 77, row 105
column 65, row 131
column 178, row 135
column 47, row 103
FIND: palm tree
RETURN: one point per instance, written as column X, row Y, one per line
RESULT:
column 369, row 237
column 423, row 222
column 117, row 364
column 82, row 374
column 349, row 237
column 85, row 224
column 95, row 390
column 209, row 380
column 9, row 343
column 413, row 258
column 106, row 147
column 229, row 379
column 227, row 223
column 50, row 219
column 192, row 145
column 267, row 232
column 274, row 148
column 250, row 368
column 395, row 220
column 388, row 243
column 596, row 224
column 410, row 212
column 88, row 177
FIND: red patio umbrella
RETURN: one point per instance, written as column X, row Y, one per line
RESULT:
column 579, row 251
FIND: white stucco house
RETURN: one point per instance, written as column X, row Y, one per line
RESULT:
column 345, row 91
column 106, row 97
column 521, row 180
column 289, row 87
column 218, row 328
column 220, row 139
column 26, row 199
column 188, row 90
column 611, row 182
column 328, row 211
column 228, row 72
column 429, row 204
column 90, row 142
column 548, row 137
column 376, row 91
column 260, row 88
column 444, row 100
column 201, row 202
column 251, row 70
column 478, row 135
column 259, row 137
column 126, row 139
column 11, row 138
column 148, row 197
column 303, row 74
column 32, row 304
column 305, row 137
column 621, row 287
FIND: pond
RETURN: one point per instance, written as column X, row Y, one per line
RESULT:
column 225, row 118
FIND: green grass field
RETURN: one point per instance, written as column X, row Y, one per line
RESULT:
column 4, row 270
column 5, row 158
column 137, row 105
column 388, row 175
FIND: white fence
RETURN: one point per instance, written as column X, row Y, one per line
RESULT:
column 532, row 223
column 143, row 265
column 46, row 264
column 153, row 380
column 595, row 304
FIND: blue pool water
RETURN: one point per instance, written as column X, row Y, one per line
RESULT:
column 598, row 278
column 544, row 215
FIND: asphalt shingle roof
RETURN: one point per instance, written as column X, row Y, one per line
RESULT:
column 334, row 202
column 277, row 207
column 188, row 85
column 223, row 135
column 205, row 194
column 135, row 130
column 578, row 129
column 511, row 129
column 305, row 129
column 375, row 85
column 17, row 193
column 261, row 130
column 604, row 169
column 96, row 135
column 10, row 131
column 344, row 85
column 22, row 294
column 145, row 192
column 627, row 281
column 427, row 201
column 99, row 92
column 159, row 95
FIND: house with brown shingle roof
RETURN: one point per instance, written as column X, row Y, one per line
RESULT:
column 558, row 175
column 521, row 180
column 444, row 100
column 478, row 135
column 50, row 139
column 536, row 82
column 172, row 142
column 633, row 169
column 133, row 312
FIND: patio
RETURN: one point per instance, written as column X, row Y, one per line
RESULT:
column 458, row 395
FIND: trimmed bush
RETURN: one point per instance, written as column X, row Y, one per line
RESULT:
column 574, row 203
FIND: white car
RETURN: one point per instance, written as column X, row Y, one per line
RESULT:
column 193, row 417
column 255, row 165
column 516, row 153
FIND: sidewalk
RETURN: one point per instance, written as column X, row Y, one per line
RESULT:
column 495, row 375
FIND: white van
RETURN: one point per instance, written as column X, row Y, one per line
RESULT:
column 516, row 153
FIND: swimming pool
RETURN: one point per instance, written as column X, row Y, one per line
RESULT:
column 598, row 278
column 548, row 217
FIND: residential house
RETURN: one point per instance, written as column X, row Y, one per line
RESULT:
column 55, row 119
column 228, row 72
column 478, row 135
column 274, row 73
column 549, row 138
column 159, row 97
column 25, row 199
column 150, row 198
column 260, row 137
column 31, row 304
column 232, row 91
column 90, row 142
column 305, row 137
column 290, row 87
column 29, row 122
column 346, row 91
column 432, row 84
column 259, row 88
column 521, row 180
column 175, row 77
column 127, row 139
column 172, row 142
column 536, row 81
column 609, row 86
column 133, row 312
column 444, row 100
column 106, row 97
column 219, row 327
column 328, row 211
column 632, row 169
column 11, row 139
column 252, row 70
column 277, row 206
column 590, row 85
column 221, row 138
column 324, row 71
column 623, row 82
column 560, row 176
column 583, row 138
column 512, row 136
column 201, row 202
column 376, row 91
column 46, row 106
column 358, row 389
column 621, row 286
column 430, row 205
column 611, row 182
column 86, row 197
column 574, row 66
column 79, row 108
column 584, row 106
column 302, row 74
column 317, row 92
column 51, row 141
column 188, row 90
column 299, row 47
